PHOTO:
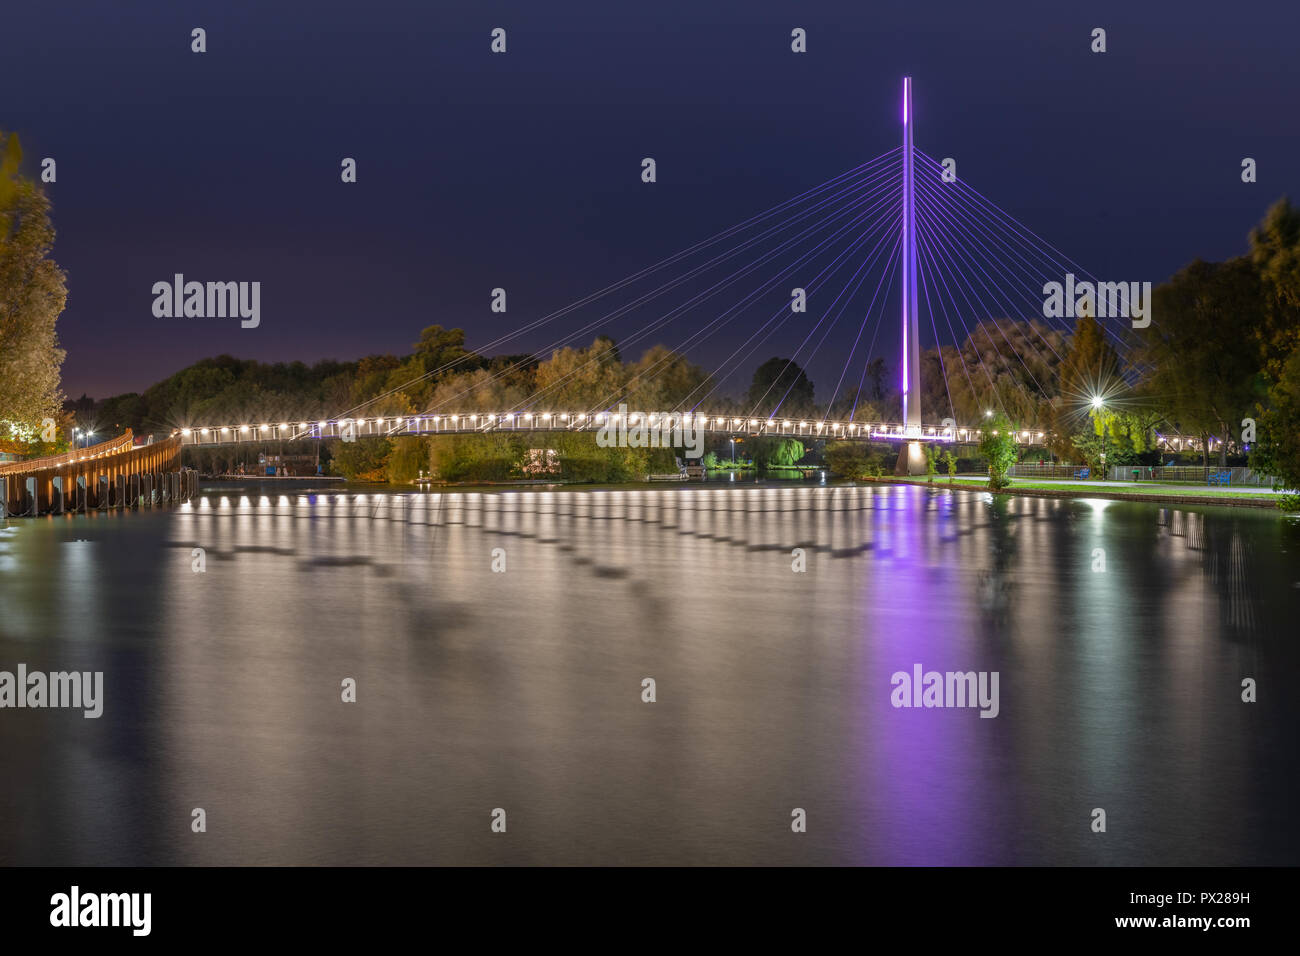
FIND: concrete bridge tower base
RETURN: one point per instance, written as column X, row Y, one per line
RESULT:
column 911, row 459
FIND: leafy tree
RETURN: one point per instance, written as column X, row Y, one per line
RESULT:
column 1275, row 250
column 1205, row 366
column 931, row 462
column 365, row 459
column 582, row 380
column 854, row 404
column 663, row 380
column 788, row 451
column 779, row 378
column 1275, row 253
column 877, row 376
column 1089, row 446
column 998, row 447
column 483, row 390
column 490, row 457
column 950, row 461
column 1277, row 453
column 768, row 450
column 438, row 353
column 936, row 400
column 1091, row 367
column 1008, row 365
column 409, row 456
column 32, row 296
column 848, row 459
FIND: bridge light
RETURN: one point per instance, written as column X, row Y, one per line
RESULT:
column 988, row 414
column 185, row 431
column 224, row 429
column 203, row 431
column 266, row 428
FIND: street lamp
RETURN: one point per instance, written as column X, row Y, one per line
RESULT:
column 1098, row 404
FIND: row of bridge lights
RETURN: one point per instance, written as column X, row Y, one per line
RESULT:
column 508, row 419
column 962, row 434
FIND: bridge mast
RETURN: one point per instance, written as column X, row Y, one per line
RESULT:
column 911, row 346
column 911, row 459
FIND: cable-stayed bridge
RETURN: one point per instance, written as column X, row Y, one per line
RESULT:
column 895, row 239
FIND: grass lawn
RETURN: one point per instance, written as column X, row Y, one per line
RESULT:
column 1153, row 489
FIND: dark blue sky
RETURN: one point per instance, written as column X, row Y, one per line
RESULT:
column 522, row 170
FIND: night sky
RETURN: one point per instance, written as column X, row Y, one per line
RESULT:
column 523, row 170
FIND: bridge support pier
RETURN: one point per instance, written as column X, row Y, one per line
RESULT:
column 911, row 459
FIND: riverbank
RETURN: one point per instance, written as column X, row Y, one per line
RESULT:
column 1249, row 497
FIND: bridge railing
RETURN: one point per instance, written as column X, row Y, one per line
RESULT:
column 113, row 446
column 390, row 426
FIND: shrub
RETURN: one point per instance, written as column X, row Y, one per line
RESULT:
column 846, row 459
column 365, row 459
column 950, row 460
column 998, row 448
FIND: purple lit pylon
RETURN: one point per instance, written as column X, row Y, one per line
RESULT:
column 911, row 345
column 911, row 457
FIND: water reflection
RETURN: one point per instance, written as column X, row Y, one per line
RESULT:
column 521, row 689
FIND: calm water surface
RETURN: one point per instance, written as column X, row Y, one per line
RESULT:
column 522, row 690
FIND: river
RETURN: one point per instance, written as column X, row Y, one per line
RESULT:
column 500, row 642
